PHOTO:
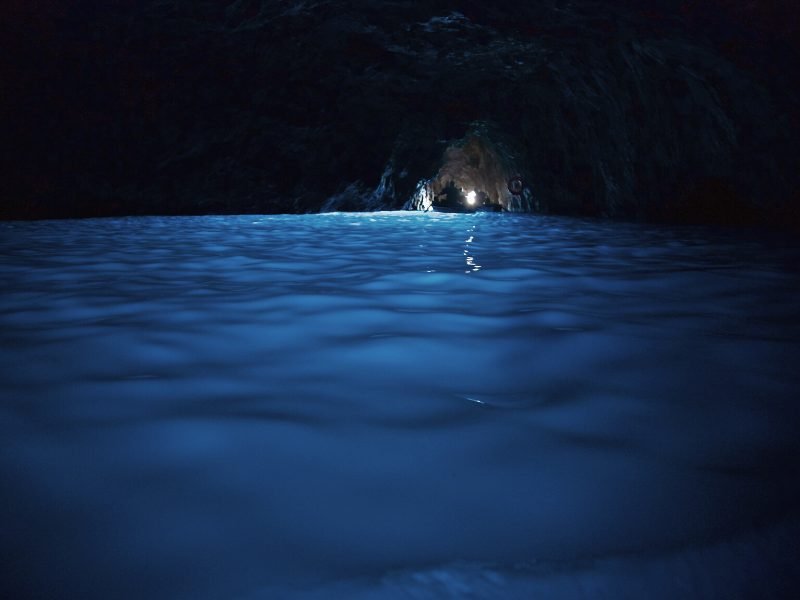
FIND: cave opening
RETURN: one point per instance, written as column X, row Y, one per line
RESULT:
column 475, row 174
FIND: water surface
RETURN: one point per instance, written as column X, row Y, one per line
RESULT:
column 397, row 405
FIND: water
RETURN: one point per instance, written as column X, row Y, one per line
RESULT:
column 397, row 405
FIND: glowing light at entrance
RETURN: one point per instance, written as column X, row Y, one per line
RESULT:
column 471, row 197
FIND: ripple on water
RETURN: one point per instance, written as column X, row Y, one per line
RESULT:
column 292, row 399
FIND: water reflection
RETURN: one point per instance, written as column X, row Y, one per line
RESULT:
column 225, row 407
column 472, row 266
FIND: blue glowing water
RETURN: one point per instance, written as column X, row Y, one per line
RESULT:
column 397, row 405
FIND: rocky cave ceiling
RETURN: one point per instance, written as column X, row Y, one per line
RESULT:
column 665, row 110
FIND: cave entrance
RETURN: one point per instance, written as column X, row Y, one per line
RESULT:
column 474, row 176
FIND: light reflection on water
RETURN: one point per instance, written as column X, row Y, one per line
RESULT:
column 395, row 403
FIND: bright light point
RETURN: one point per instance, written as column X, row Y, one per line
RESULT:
column 471, row 197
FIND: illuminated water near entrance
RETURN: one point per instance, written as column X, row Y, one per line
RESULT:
column 397, row 405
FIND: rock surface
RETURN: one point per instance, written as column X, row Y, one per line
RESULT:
column 676, row 112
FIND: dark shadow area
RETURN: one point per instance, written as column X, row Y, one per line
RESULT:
column 676, row 111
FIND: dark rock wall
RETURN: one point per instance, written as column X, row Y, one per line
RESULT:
column 676, row 112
